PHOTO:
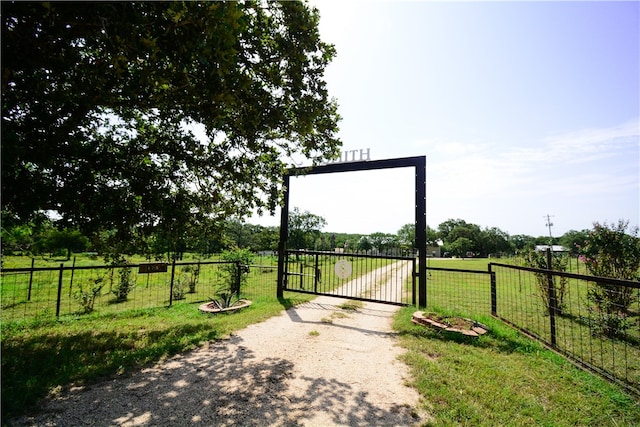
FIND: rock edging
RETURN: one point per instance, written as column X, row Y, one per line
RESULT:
column 460, row 325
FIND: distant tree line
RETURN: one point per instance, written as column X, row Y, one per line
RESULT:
column 46, row 237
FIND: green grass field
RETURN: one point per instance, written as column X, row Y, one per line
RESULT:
column 505, row 379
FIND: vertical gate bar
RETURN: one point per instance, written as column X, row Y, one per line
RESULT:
column 315, row 276
column 33, row 260
column 413, row 281
column 59, row 298
column 285, row 279
column 284, row 231
column 301, row 268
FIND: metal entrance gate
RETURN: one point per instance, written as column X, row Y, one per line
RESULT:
column 377, row 278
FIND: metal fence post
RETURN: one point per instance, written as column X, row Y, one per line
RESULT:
column 33, row 260
column 59, row 290
column 552, row 299
column 494, row 292
column 173, row 273
column 238, row 277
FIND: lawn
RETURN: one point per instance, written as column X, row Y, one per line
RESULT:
column 504, row 378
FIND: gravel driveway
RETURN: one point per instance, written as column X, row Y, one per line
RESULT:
column 316, row 364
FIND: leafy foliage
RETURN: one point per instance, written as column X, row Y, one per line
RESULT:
column 538, row 259
column 87, row 293
column 612, row 251
column 124, row 283
column 304, row 228
column 460, row 237
column 69, row 240
column 164, row 116
column 232, row 276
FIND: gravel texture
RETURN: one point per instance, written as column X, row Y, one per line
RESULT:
column 316, row 364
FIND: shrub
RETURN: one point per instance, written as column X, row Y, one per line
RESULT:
column 193, row 273
column 536, row 259
column 180, row 285
column 87, row 297
column 126, row 282
column 611, row 251
column 232, row 277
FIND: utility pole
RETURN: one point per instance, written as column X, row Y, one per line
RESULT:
column 549, row 224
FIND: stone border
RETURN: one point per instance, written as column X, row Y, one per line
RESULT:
column 210, row 307
column 419, row 318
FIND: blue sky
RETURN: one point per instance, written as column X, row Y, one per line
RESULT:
column 522, row 109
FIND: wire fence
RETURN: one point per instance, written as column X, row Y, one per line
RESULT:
column 465, row 292
column 594, row 321
column 45, row 292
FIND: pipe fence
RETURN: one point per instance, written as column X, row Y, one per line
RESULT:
column 45, row 292
column 594, row 321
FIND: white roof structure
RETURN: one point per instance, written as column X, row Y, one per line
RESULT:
column 554, row 248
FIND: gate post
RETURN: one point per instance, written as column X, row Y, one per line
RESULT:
column 284, row 232
column 421, row 228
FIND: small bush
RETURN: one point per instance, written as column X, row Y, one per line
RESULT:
column 125, row 284
column 232, row 277
column 193, row 273
column 611, row 251
column 87, row 297
column 538, row 260
column 125, row 281
column 180, row 285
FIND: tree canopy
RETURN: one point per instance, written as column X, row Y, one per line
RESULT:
column 304, row 229
column 158, row 115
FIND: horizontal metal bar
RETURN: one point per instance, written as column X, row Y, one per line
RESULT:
column 379, row 301
column 456, row 270
column 97, row 267
column 345, row 254
column 357, row 166
column 299, row 274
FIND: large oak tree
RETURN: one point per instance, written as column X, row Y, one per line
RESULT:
column 140, row 116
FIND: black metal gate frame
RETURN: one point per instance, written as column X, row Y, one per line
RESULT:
column 315, row 290
column 419, row 164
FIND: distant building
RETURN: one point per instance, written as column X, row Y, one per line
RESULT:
column 554, row 248
column 433, row 251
